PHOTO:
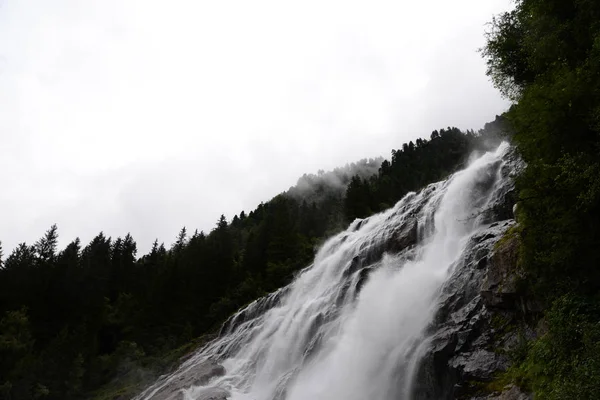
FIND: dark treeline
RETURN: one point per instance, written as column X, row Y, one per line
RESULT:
column 413, row 166
column 76, row 319
column 545, row 56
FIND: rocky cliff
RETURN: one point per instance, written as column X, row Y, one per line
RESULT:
column 482, row 319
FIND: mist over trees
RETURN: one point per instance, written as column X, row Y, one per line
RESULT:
column 77, row 319
column 314, row 188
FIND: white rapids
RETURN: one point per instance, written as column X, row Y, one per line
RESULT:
column 351, row 325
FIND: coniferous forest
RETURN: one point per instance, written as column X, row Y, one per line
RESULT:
column 97, row 320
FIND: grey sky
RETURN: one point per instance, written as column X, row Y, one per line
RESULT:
column 144, row 116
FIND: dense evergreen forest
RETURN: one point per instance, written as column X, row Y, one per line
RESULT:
column 545, row 56
column 95, row 320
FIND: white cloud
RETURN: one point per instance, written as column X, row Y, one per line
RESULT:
column 143, row 116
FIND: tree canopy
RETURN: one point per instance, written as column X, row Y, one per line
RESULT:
column 545, row 56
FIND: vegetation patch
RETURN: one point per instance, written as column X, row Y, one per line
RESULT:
column 544, row 55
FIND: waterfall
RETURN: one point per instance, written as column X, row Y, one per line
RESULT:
column 352, row 325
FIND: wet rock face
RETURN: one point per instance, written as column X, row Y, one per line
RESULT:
column 502, row 206
column 469, row 329
column 480, row 364
column 258, row 307
column 213, row 394
column 404, row 237
column 474, row 328
column 499, row 286
column 509, row 393
column 198, row 374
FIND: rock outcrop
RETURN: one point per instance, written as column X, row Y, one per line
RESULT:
column 477, row 323
column 499, row 286
column 481, row 314
column 197, row 374
column 510, row 393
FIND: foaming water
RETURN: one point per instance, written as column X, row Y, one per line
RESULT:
column 352, row 325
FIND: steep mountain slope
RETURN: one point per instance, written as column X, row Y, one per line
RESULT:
column 86, row 316
column 400, row 305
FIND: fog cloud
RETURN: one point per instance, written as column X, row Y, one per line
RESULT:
column 142, row 117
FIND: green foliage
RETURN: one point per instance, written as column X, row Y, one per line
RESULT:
column 16, row 362
column 545, row 55
column 565, row 362
column 556, row 128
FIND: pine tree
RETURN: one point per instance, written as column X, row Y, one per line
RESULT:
column 181, row 240
column 45, row 248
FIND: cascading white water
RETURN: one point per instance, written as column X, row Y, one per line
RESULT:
column 351, row 325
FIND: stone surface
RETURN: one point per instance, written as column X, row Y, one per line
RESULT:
column 471, row 334
column 213, row 394
column 499, row 286
column 480, row 365
column 510, row 393
column 198, row 374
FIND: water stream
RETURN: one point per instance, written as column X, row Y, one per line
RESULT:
column 353, row 324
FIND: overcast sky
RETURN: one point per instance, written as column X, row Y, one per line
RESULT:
column 145, row 116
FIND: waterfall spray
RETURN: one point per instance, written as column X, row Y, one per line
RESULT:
column 352, row 326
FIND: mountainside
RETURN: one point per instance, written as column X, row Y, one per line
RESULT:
column 393, row 307
column 78, row 319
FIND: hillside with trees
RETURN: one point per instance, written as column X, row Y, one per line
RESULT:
column 97, row 320
column 545, row 56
